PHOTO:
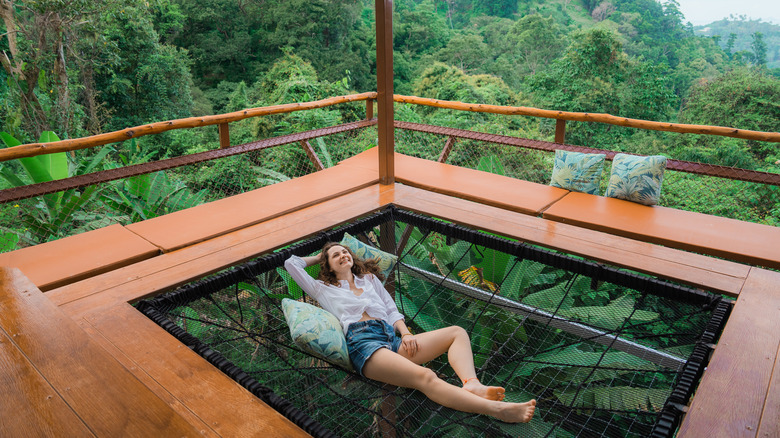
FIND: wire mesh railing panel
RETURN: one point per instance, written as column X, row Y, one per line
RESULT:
column 149, row 193
column 698, row 187
column 602, row 351
column 735, row 199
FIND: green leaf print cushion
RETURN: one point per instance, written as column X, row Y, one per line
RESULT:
column 636, row 179
column 385, row 260
column 316, row 331
column 577, row 171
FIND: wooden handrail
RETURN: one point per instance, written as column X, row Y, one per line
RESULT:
column 590, row 117
column 33, row 149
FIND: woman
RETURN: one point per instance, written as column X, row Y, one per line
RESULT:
column 352, row 290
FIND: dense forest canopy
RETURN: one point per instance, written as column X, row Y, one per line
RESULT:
column 82, row 67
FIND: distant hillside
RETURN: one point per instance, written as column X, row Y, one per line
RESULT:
column 744, row 29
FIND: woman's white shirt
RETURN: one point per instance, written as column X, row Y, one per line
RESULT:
column 341, row 301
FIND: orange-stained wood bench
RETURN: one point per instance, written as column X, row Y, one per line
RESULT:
column 744, row 242
column 197, row 224
column 64, row 261
column 487, row 188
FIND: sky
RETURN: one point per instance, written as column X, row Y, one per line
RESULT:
column 700, row 12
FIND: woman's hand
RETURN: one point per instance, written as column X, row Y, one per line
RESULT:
column 409, row 342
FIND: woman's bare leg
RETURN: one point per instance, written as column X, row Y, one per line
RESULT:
column 388, row 367
column 455, row 342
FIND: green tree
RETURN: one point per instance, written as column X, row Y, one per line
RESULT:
column 744, row 98
column 43, row 46
column 150, row 81
column 759, row 49
column 595, row 75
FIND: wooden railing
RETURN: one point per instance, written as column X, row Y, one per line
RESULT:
column 590, row 117
column 33, row 149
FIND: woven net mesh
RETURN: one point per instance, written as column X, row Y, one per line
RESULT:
column 603, row 351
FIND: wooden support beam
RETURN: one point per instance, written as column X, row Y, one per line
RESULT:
column 311, row 154
column 224, row 135
column 384, row 76
column 369, row 109
column 447, row 149
column 560, row 131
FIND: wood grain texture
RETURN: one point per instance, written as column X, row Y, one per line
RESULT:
column 696, row 270
column 486, row 188
column 132, row 366
column 740, row 241
column 770, row 418
column 187, row 227
column 29, row 406
column 108, row 399
column 731, row 398
column 200, row 389
column 64, row 261
column 170, row 270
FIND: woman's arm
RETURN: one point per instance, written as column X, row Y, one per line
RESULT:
column 407, row 338
column 296, row 267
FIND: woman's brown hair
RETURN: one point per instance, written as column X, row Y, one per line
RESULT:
column 359, row 267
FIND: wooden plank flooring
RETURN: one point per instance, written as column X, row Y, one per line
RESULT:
column 178, row 389
column 107, row 400
column 220, row 405
column 173, row 269
column 30, row 406
column 732, row 396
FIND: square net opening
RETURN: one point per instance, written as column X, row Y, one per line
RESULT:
column 604, row 351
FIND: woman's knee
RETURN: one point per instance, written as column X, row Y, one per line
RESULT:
column 459, row 332
column 425, row 377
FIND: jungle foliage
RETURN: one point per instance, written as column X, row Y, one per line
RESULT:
column 79, row 68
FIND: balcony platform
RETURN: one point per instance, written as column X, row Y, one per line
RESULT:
column 140, row 370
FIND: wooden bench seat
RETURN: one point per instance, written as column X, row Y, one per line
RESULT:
column 732, row 239
column 71, row 385
column 64, row 261
column 486, row 188
column 187, row 227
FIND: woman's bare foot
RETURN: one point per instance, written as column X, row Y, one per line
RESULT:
column 489, row 392
column 516, row 412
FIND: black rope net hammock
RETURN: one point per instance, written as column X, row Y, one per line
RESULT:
column 605, row 352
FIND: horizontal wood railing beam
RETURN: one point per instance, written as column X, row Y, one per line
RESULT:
column 591, row 117
column 33, row 149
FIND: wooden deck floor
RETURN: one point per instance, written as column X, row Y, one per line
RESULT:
column 50, row 341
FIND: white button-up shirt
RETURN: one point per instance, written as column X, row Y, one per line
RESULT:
column 341, row 301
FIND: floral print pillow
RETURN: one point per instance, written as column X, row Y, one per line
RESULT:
column 385, row 260
column 636, row 179
column 317, row 331
column 577, row 171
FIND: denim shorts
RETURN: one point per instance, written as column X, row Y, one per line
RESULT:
column 366, row 337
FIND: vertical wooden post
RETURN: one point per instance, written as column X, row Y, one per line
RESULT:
column 369, row 109
column 560, row 131
column 384, row 79
column 224, row 136
column 447, row 149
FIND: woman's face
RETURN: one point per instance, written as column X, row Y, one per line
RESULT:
column 339, row 259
